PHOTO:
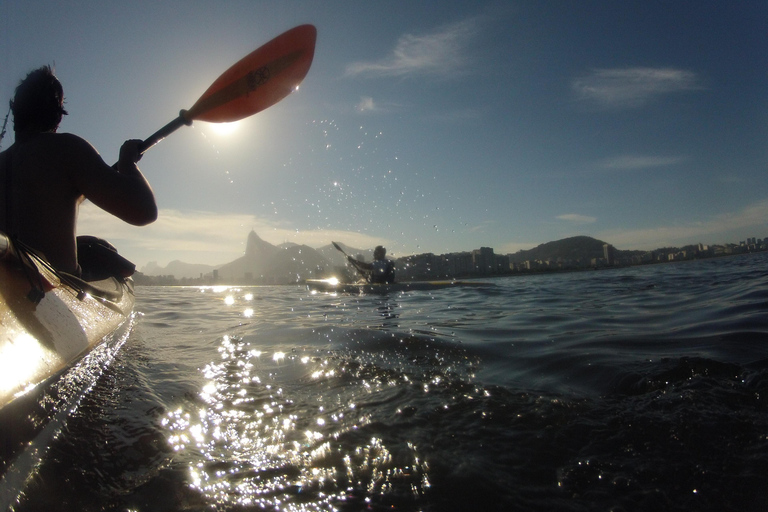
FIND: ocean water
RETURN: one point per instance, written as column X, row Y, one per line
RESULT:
column 625, row 389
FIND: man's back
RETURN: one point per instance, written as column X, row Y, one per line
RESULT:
column 382, row 271
column 40, row 199
column 44, row 178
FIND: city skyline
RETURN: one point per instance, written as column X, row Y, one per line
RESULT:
column 622, row 257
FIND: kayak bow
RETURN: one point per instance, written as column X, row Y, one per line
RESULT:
column 49, row 319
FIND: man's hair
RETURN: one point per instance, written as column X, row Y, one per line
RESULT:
column 38, row 104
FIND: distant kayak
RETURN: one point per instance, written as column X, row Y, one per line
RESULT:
column 334, row 286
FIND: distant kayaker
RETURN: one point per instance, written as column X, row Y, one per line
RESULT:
column 381, row 270
column 44, row 176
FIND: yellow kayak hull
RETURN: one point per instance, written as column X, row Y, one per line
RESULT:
column 40, row 339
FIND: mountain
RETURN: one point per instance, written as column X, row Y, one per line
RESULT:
column 337, row 259
column 265, row 262
column 577, row 248
column 152, row 269
column 176, row 268
column 298, row 262
column 255, row 261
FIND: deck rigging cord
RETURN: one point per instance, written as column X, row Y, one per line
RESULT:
column 5, row 125
column 31, row 262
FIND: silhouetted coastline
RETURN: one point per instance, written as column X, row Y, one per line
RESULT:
column 265, row 264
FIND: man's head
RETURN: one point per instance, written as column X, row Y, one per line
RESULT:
column 379, row 253
column 38, row 104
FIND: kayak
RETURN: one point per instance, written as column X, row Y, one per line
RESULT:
column 50, row 319
column 334, row 286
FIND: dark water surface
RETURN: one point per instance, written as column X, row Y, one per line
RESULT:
column 627, row 389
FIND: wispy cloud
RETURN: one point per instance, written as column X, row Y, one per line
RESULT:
column 203, row 237
column 366, row 104
column 577, row 219
column 726, row 227
column 482, row 227
column 632, row 87
column 440, row 52
column 637, row 162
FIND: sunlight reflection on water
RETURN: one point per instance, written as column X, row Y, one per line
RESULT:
column 251, row 442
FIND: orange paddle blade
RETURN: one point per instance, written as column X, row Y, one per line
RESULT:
column 259, row 80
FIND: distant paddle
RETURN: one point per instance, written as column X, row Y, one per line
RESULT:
column 352, row 261
column 256, row 82
column 340, row 249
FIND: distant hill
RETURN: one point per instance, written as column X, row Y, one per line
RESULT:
column 337, row 259
column 177, row 268
column 296, row 263
column 577, row 248
column 264, row 261
column 289, row 262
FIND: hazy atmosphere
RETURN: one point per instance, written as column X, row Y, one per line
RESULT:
column 432, row 126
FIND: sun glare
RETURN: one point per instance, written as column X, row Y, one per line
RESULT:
column 224, row 129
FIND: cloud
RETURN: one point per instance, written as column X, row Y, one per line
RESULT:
column 366, row 104
column 632, row 87
column 577, row 219
column 437, row 53
column 203, row 237
column 723, row 228
column 482, row 227
column 635, row 162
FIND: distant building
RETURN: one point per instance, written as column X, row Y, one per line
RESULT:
column 484, row 260
column 502, row 263
column 459, row 264
column 609, row 253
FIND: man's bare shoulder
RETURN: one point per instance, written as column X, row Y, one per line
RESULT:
column 62, row 149
column 66, row 142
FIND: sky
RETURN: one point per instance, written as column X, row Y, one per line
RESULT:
column 429, row 126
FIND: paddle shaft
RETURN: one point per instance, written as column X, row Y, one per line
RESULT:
column 340, row 249
column 164, row 132
column 161, row 134
column 351, row 260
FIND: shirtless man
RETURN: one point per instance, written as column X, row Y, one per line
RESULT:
column 44, row 176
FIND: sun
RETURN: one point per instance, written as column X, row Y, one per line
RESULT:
column 224, row 129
